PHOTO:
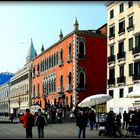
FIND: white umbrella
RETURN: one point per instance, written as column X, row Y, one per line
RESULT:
column 34, row 108
column 94, row 100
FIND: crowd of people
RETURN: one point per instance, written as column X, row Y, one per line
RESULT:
column 83, row 117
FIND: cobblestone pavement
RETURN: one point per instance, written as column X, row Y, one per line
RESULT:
column 65, row 130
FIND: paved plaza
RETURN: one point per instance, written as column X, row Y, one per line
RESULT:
column 65, row 130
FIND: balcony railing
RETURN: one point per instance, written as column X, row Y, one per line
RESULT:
column 121, row 31
column 60, row 89
column 37, row 73
column 111, row 58
column 111, row 36
column 121, row 79
column 130, row 27
column 136, row 77
column 121, row 55
column 60, row 63
column 136, row 50
column 33, row 75
column 69, row 58
column 111, row 81
column 69, row 87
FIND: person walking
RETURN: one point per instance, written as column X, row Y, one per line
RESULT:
column 40, row 122
column 81, row 122
column 92, row 119
column 28, row 123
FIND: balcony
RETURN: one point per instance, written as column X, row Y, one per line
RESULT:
column 60, row 89
column 111, row 81
column 121, row 31
column 80, row 88
column 136, row 50
column 60, row 63
column 37, row 73
column 69, row 87
column 121, row 79
column 111, row 36
column 111, row 58
column 121, row 55
column 136, row 76
column 69, row 58
column 130, row 27
column 33, row 75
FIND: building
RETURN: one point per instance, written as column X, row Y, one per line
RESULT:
column 4, row 99
column 5, row 77
column 71, row 69
column 123, row 68
column 21, row 85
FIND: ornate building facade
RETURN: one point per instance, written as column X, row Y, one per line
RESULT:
column 21, row 85
column 71, row 69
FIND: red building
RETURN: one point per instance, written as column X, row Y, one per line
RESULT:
column 71, row 69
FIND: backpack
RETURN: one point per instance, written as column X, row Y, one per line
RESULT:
column 40, row 121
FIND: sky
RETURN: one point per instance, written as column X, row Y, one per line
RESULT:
column 41, row 21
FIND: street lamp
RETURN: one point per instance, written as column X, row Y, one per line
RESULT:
column 9, row 105
column 19, row 103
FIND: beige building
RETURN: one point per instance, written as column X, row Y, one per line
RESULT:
column 21, row 85
column 123, row 68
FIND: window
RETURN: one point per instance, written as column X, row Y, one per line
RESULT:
column 61, row 54
column 81, row 50
column 70, row 78
column 111, row 93
column 137, row 68
column 111, row 14
column 121, row 7
column 137, row 41
column 111, row 50
column 122, row 71
column 82, row 80
column 130, row 89
column 131, row 69
column 130, row 22
column 130, row 4
column 121, row 92
column 111, row 73
column 121, row 26
column 121, row 47
column 61, row 81
column 112, row 31
column 38, row 90
column 130, row 44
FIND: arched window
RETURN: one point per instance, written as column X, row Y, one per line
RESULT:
column 70, row 49
column 70, row 78
column 81, row 50
column 61, row 54
column 57, row 58
column 54, row 84
column 82, row 80
column 38, row 89
column 34, row 91
column 54, row 59
column 61, row 81
column 45, row 64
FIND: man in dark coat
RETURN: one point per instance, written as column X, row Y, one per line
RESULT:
column 40, row 122
column 81, row 122
column 92, row 119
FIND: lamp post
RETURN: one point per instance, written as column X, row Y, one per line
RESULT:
column 19, row 103
column 9, row 106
